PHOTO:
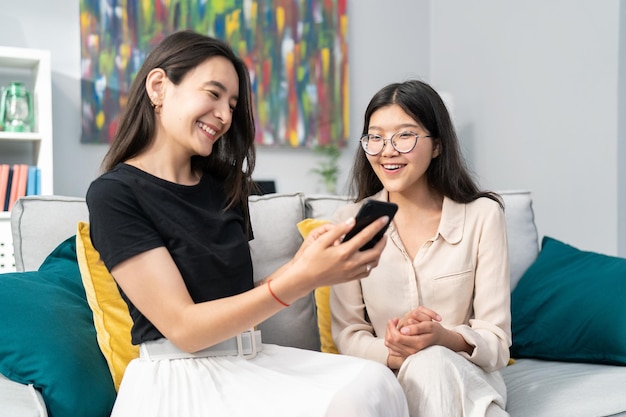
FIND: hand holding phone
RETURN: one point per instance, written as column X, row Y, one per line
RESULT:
column 370, row 211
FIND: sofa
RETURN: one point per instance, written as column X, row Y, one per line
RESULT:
column 537, row 385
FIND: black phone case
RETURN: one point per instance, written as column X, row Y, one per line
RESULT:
column 370, row 211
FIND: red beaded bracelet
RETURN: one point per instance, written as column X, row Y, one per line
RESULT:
column 274, row 295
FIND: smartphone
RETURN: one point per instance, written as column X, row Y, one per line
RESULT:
column 370, row 211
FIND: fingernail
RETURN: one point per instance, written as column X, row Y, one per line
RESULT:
column 385, row 219
column 350, row 220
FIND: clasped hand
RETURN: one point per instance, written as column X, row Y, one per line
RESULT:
column 416, row 330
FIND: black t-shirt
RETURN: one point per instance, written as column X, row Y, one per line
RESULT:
column 131, row 211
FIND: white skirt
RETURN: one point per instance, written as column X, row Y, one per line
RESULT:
column 279, row 381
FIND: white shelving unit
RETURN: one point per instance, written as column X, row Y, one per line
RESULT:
column 32, row 67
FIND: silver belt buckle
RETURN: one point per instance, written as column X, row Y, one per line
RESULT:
column 240, row 351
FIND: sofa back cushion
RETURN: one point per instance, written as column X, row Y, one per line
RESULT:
column 40, row 223
column 522, row 232
column 323, row 207
column 276, row 240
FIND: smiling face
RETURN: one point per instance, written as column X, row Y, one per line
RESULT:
column 197, row 112
column 402, row 173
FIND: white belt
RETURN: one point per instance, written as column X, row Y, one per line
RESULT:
column 245, row 344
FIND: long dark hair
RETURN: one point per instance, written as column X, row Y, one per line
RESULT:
column 447, row 174
column 233, row 157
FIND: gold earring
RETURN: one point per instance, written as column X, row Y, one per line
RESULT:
column 153, row 99
column 155, row 106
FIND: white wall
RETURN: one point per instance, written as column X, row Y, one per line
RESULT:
column 621, row 135
column 535, row 89
column 534, row 83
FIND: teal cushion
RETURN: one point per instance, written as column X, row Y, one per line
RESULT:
column 570, row 305
column 47, row 337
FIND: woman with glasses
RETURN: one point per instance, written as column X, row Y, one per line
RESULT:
column 436, row 308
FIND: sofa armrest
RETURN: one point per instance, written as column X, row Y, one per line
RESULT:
column 40, row 223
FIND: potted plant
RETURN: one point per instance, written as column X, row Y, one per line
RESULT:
column 327, row 166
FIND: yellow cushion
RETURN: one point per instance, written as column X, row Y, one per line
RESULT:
column 322, row 296
column 110, row 312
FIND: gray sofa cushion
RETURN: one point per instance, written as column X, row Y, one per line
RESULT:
column 276, row 240
column 319, row 206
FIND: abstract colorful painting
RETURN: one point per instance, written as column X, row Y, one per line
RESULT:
column 296, row 51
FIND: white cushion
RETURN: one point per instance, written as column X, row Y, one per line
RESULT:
column 522, row 232
column 20, row 400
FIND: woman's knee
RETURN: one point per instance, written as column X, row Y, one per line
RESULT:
column 432, row 357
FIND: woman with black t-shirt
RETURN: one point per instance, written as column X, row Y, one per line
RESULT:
column 169, row 217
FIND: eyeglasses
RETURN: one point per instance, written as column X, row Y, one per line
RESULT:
column 402, row 142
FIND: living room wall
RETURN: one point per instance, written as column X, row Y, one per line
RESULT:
column 536, row 91
column 533, row 85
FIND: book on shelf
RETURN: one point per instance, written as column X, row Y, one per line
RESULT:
column 18, row 180
column 5, row 204
column 31, row 181
column 38, row 182
column 4, row 184
column 18, row 183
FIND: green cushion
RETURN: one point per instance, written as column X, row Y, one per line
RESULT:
column 47, row 337
column 570, row 305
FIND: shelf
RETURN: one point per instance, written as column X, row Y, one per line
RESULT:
column 31, row 66
column 20, row 137
column 22, row 57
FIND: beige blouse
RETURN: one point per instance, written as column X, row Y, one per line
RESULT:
column 462, row 273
